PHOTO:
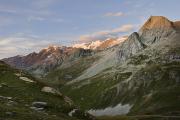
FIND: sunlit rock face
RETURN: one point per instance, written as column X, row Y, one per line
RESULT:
column 177, row 25
column 156, row 28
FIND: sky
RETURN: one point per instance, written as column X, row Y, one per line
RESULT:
column 30, row 25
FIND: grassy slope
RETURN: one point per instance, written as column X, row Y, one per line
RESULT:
column 92, row 95
column 23, row 94
column 152, row 89
column 160, row 94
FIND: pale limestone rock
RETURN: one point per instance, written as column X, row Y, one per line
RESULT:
column 26, row 79
column 49, row 90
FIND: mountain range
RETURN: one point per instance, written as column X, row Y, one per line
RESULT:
column 136, row 75
column 49, row 58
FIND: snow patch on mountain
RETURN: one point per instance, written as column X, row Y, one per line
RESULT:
column 92, row 45
column 100, row 44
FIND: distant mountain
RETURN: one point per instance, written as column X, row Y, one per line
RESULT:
column 54, row 56
column 101, row 45
column 110, row 42
column 47, row 59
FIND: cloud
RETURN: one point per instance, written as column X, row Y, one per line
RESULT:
column 5, row 21
column 101, row 35
column 34, row 18
column 124, row 28
column 6, row 8
column 43, row 3
column 114, row 14
column 59, row 20
column 94, row 36
column 35, row 10
column 20, row 44
column 23, row 44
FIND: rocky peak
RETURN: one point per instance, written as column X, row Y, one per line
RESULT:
column 51, row 48
column 157, row 28
column 155, row 22
column 108, row 43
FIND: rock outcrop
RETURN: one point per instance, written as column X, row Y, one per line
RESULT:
column 131, row 46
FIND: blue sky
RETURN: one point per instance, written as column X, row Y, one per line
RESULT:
column 30, row 25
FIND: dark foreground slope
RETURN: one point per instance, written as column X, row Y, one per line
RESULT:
column 24, row 100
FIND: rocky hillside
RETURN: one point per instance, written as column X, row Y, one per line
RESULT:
column 47, row 59
column 22, row 97
column 142, row 73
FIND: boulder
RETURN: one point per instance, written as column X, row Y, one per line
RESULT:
column 7, row 98
column 11, row 114
column 37, row 109
column 39, row 104
column 51, row 90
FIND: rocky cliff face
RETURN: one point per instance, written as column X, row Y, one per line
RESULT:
column 80, row 52
column 130, row 47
